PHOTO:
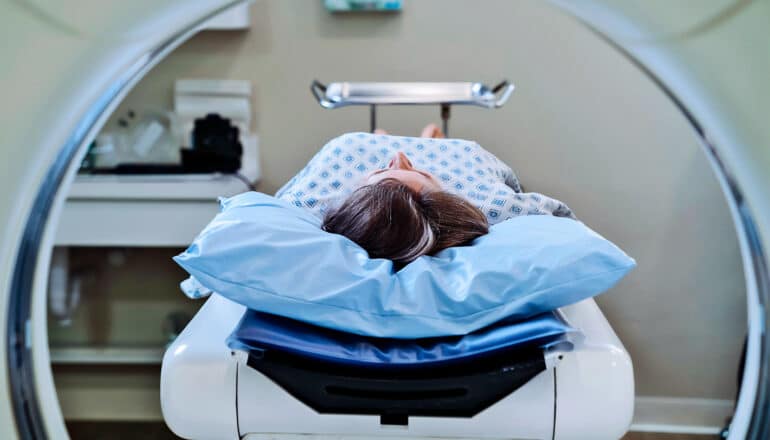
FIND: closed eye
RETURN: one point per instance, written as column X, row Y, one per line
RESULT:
column 422, row 173
column 428, row 175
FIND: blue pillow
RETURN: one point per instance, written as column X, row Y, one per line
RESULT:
column 262, row 252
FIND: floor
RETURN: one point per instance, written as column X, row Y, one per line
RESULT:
column 158, row 431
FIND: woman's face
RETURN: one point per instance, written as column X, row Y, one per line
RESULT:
column 401, row 169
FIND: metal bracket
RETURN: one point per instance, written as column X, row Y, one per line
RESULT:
column 445, row 95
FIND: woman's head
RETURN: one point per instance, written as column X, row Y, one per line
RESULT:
column 392, row 219
column 400, row 168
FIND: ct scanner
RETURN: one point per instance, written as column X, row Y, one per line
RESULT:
column 66, row 66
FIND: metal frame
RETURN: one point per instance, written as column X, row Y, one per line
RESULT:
column 444, row 95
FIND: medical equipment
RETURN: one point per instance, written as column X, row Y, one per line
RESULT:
column 363, row 5
column 144, row 138
column 445, row 95
column 341, row 376
column 63, row 291
column 211, row 391
column 235, row 148
column 210, row 122
column 725, row 107
column 215, row 146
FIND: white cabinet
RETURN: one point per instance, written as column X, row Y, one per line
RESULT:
column 141, row 211
column 121, row 232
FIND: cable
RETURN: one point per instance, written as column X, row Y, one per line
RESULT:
column 245, row 181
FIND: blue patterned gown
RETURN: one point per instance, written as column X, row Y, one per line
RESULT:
column 463, row 167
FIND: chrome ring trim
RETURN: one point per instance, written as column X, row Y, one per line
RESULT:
column 756, row 272
column 24, row 394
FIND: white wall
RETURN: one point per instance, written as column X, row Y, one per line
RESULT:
column 584, row 126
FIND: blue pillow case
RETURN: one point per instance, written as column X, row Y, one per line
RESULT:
column 272, row 257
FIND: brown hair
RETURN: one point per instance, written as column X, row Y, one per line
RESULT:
column 391, row 220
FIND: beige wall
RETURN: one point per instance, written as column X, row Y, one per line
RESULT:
column 584, row 126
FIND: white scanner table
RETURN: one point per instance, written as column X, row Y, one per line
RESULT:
column 209, row 392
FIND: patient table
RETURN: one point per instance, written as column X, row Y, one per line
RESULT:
column 579, row 387
column 234, row 373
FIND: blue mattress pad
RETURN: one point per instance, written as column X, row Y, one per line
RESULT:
column 258, row 332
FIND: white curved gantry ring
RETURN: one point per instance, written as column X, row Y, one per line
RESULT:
column 28, row 372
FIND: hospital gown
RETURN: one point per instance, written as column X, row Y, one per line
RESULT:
column 462, row 167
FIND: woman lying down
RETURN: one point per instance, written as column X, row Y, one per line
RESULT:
column 403, row 197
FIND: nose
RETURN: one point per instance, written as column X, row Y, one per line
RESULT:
column 400, row 162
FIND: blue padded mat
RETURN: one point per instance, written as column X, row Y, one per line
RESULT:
column 262, row 331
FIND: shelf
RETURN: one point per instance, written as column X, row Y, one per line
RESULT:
column 149, row 210
column 136, row 211
column 155, row 187
column 170, row 186
column 92, row 394
column 107, row 355
column 133, row 223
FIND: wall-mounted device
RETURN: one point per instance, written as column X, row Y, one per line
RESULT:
column 216, row 146
column 363, row 5
column 214, row 126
